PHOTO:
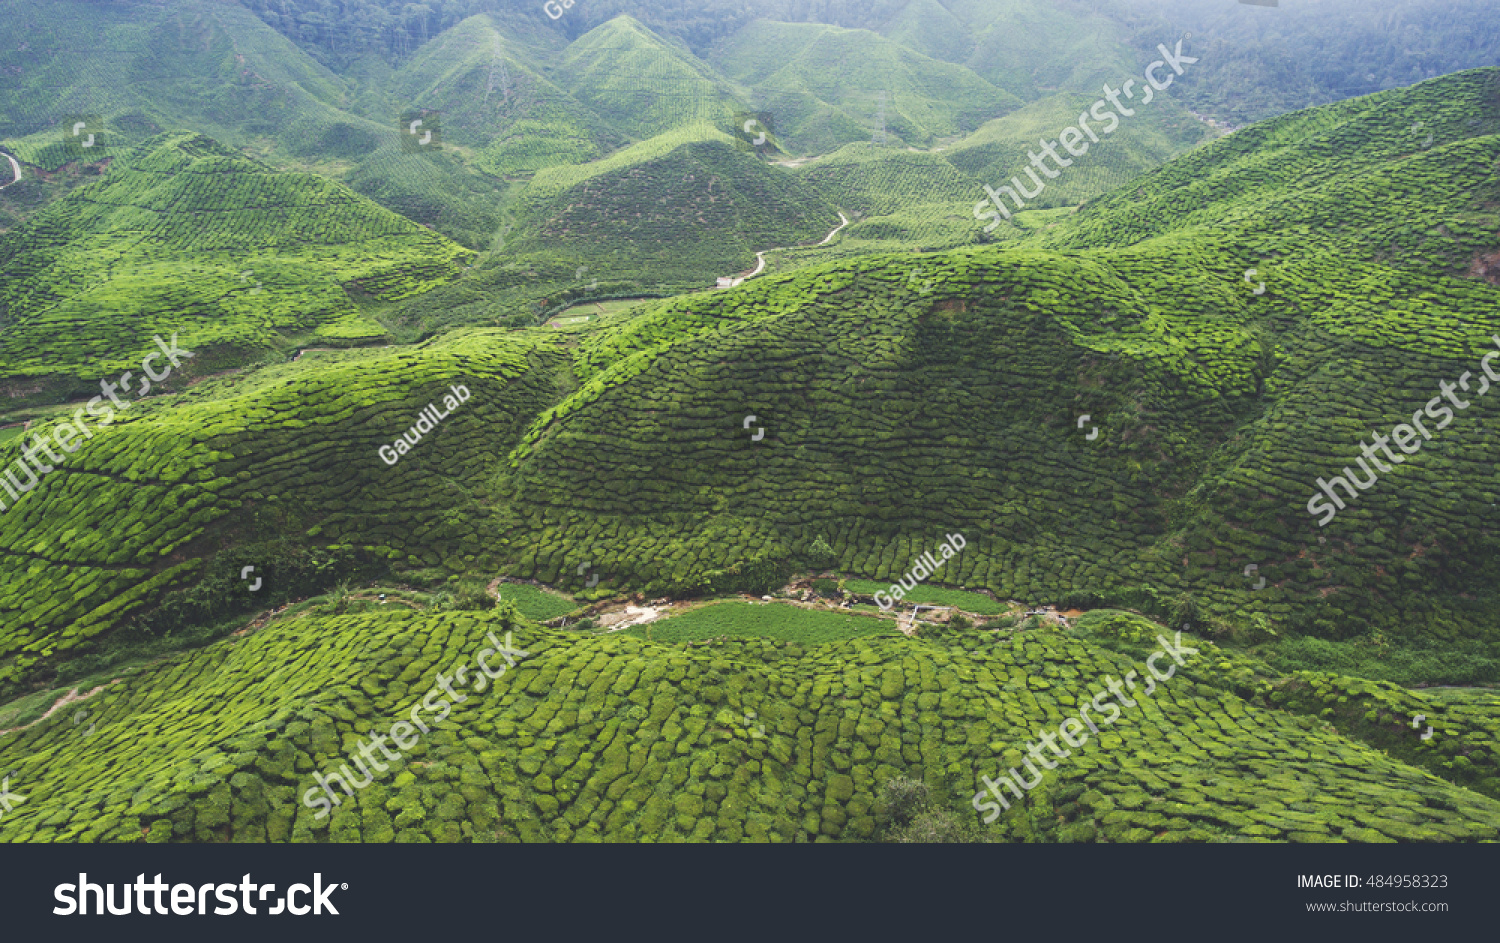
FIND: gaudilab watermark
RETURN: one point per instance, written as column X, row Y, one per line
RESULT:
column 927, row 564
column 427, row 420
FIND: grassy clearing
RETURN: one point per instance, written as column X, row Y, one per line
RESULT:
column 765, row 620
column 977, row 603
column 615, row 307
column 587, row 311
column 535, row 603
column 25, row 710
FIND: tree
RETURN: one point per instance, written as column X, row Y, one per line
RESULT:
column 908, row 816
column 821, row 556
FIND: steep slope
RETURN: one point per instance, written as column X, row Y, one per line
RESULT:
column 876, row 180
column 1329, row 178
column 184, row 235
column 211, row 67
column 1216, row 408
column 1109, row 413
column 270, row 460
column 898, row 200
column 929, row 28
column 1001, row 148
column 825, row 86
column 640, row 83
column 492, row 96
column 1046, row 47
column 217, row 70
column 690, row 202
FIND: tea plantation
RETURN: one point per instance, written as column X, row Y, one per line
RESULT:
column 617, row 739
column 1122, row 407
column 185, row 236
column 894, row 414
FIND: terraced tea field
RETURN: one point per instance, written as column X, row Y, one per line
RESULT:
column 612, row 738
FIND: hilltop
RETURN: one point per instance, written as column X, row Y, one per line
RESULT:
column 826, row 86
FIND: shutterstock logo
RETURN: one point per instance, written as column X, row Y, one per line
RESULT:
column 187, row 899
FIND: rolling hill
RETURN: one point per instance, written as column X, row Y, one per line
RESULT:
column 217, row 70
column 184, row 235
column 588, row 738
column 826, row 85
column 641, row 84
column 1001, row 149
column 1213, row 403
column 493, row 97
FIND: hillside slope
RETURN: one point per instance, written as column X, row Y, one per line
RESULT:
column 689, row 202
column 184, row 235
column 493, row 96
column 217, row 70
column 640, row 83
column 247, row 469
column 826, row 87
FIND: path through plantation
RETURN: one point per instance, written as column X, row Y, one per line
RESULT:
column 760, row 257
column 16, row 168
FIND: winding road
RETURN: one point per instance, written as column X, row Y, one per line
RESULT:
column 760, row 257
column 15, row 167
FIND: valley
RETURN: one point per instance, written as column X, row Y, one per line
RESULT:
column 678, row 413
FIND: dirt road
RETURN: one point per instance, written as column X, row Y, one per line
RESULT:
column 760, row 257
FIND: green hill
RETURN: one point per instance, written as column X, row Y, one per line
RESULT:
column 1125, row 405
column 182, row 235
column 1142, row 142
column 493, row 98
column 702, row 207
column 962, row 378
column 672, row 213
column 898, row 200
column 1039, row 48
column 217, row 70
column 641, row 84
column 210, row 67
column 928, row 27
column 907, row 398
column 1218, row 408
column 258, row 469
column 825, row 84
